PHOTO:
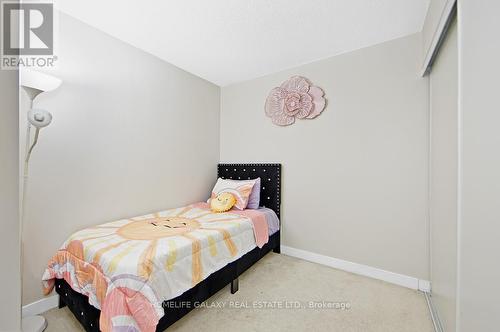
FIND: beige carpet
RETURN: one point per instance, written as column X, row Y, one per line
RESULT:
column 279, row 280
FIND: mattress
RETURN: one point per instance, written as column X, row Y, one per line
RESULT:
column 128, row 267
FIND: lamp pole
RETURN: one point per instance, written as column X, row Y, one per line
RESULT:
column 35, row 323
column 33, row 83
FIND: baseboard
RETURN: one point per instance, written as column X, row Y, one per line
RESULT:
column 364, row 270
column 424, row 285
column 40, row 306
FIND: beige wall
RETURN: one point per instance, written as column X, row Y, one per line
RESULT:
column 444, row 176
column 10, row 277
column 355, row 178
column 131, row 134
column 479, row 226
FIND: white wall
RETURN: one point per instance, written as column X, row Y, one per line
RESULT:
column 10, row 277
column 355, row 178
column 444, row 176
column 131, row 135
column 479, row 226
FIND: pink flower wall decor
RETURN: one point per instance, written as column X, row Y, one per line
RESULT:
column 295, row 98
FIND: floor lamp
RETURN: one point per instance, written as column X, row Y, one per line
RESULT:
column 34, row 83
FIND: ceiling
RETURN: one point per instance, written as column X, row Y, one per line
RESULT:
column 228, row 41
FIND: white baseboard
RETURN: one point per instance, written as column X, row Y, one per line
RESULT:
column 364, row 270
column 40, row 306
column 424, row 285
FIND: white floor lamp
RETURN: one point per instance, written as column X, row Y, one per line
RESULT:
column 34, row 83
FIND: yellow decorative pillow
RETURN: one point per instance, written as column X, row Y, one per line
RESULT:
column 240, row 189
column 222, row 202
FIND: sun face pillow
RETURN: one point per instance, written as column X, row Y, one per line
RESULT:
column 240, row 189
column 222, row 202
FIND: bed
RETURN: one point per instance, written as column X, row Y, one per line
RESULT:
column 203, row 286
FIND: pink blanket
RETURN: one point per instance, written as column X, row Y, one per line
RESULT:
column 260, row 227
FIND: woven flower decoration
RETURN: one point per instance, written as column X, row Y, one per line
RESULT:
column 295, row 98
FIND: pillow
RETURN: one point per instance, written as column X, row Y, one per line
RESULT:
column 222, row 202
column 254, row 199
column 240, row 189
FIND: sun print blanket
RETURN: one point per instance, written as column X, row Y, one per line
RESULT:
column 128, row 267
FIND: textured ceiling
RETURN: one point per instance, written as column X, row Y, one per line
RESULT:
column 228, row 41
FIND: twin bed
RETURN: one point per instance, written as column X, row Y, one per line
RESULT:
column 145, row 273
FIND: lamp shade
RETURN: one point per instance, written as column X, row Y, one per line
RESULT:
column 35, row 82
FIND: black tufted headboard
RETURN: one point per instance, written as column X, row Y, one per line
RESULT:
column 270, row 176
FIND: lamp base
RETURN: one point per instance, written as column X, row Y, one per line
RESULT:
column 34, row 324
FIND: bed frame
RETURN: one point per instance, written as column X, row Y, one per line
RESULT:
column 178, row 307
